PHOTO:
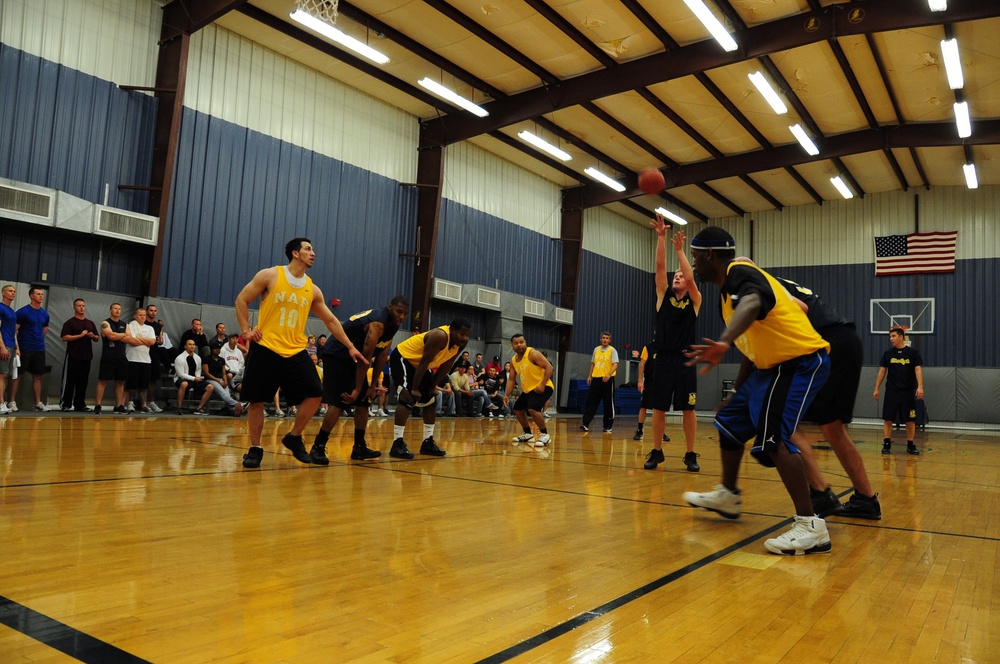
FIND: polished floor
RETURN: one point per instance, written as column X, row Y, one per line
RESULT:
column 142, row 539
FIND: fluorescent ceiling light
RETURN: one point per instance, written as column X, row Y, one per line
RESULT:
column 768, row 92
column 604, row 179
column 332, row 33
column 544, row 145
column 952, row 63
column 712, row 24
column 804, row 139
column 962, row 119
column 971, row 179
column 841, row 187
column 453, row 97
column 664, row 212
column 937, row 5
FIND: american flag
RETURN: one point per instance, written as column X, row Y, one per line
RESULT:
column 915, row 253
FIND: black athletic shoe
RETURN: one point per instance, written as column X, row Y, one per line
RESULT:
column 638, row 435
column 666, row 438
column 691, row 461
column 317, row 454
column 85, row 409
column 912, row 449
column 430, row 447
column 399, row 450
column 119, row 410
column 887, row 447
column 362, row 453
column 824, row 502
column 97, row 409
column 653, row 459
column 252, row 458
column 583, row 427
column 298, row 448
column 860, row 507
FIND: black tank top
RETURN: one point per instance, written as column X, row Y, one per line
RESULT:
column 355, row 330
column 675, row 322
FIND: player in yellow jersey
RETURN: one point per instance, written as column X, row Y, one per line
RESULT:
column 536, row 389
column 601, row 379
column 277, row 356
column 792, row 364
column 413, row 363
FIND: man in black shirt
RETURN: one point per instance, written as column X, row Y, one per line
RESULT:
column 903, row 365
column 197, row 333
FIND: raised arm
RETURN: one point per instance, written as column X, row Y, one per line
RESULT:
column 685, row 267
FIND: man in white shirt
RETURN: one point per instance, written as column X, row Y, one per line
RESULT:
column 187, row 366
column 235, row 361
column 143, row 337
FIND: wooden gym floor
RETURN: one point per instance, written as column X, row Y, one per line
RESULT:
column 142, row 538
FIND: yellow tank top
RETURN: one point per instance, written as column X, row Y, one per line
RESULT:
column 531, row 374
column 784, row 334
column 283, row 314
column 413, row 349
column 602, row 362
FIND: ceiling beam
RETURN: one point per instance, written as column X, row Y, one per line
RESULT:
column 755, row 42
column 185, row 17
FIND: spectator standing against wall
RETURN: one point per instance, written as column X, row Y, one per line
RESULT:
column 601, row 379
column 8, row 344
column 156, row 355
column 80, row 334
column 137, row 353
column 114, row 362
column 32, row 325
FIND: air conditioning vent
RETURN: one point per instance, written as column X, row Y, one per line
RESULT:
column 25, row 202
column 446, row 290
column 534, row 308
column 488, row 298
column 564, row 315
column 126, row 225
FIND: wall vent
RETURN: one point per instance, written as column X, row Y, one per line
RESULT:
column 126, row 225
column 446, row 290
column 564, row 315
column 487, row 297
column 534, row 308
column 24, row 202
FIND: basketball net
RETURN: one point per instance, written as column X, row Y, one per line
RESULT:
column 324, row 10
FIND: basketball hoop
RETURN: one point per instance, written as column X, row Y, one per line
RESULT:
column 324, row 10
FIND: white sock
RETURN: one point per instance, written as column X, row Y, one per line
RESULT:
column 428, row 431
column 397, row 430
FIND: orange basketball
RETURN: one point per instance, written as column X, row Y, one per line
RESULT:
column 651, row 181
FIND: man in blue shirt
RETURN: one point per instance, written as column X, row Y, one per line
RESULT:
column 32, row 325
column 8, row 342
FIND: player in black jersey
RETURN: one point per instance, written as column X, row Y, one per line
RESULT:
column 345, row 383
column 674, row 382
column 904, row 386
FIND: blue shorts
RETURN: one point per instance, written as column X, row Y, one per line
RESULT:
column 769, row 405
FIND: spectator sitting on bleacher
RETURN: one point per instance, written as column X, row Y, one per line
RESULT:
column 187, row 366
column 494, row 391
column 214, row 371
column 198, row 335
column 479, row 395
column 464, row 401
column 235, row 360
column 220, row 336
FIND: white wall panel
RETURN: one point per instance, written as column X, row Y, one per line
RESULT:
column 613, row 236
column 485, row 182
column 114, row 40
column 236, row 80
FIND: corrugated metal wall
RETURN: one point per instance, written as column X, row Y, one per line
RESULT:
column 613, row 297
column 233, row 79
column 613, row 236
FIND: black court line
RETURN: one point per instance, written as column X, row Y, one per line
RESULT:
column 602, row 610
column 61, row 636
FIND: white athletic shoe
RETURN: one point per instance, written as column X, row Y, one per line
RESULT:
column 153, row 407
column 3, row 408
column 12, row 406
column 524, row 438
column 720, row 500
column 808, row 535
column 543, row 440
column 130, row 406
column 382, row 412
column 40, row 407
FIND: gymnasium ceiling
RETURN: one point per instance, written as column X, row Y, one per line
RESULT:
column 623, row 85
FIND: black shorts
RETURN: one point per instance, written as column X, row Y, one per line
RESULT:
column 340, row 375
column 266, row 372
column 32, row 361
column 195, row 387
column 138, row 376
column 899, row 402
column 836, row 400
column 114, row 368
column 402, row 377
column 533, row 400
column 155, row 365
column 674, row 383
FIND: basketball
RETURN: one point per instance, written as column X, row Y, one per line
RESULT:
column 651, row 181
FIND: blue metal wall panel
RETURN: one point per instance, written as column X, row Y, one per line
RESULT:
column 477, row 248
column 64, row 129
column 443, row 313
column 614, row 297
column 239, row 196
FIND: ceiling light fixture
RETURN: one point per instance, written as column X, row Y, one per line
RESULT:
column 971, row 179
column 604, row 179
column 962, row 119
column 453, row 97
column 765, row 89
column 712, row 24
column 334, row 34
column 937, row 5
column 544, row 145
column 804, row 139
column 841, row 187
column 664, row 212
column 952, row 63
